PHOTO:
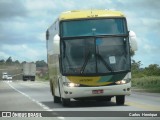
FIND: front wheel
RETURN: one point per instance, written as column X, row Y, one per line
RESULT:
column 65, row 102
column 57, row 99
column 120, row 100
column 33, row 78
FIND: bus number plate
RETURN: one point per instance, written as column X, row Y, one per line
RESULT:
column 97, row 91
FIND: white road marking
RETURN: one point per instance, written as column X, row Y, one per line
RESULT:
column 33, row 100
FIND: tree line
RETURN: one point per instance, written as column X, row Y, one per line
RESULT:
column 10, row 61
column 138, row 71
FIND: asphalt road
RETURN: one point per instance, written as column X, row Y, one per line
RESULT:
column 36, row 96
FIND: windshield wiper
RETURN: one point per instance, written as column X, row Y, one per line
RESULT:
column 100, row 57
column 104, row 62
column 85, row 63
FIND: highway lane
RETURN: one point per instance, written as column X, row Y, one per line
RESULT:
column 36, row 96
column 12, row 99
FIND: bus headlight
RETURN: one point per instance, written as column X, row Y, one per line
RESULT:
column 120, row 82
column 69, row 84
column 123, row 81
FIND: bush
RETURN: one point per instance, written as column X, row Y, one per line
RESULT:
column 149, row 82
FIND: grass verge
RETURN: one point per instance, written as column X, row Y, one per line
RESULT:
column 148, row 84
column 44, row 78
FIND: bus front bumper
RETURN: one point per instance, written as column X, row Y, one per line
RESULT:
column 80, row 92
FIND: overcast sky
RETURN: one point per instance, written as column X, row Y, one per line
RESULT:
column 23, row 24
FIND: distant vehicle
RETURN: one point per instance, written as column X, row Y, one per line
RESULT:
column 9, row 77
column 4, row 75
column 29, row 71
column 89, row 56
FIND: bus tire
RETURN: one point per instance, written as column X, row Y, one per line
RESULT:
column 57, row 99
column 33, row 78
column 65, row 102
column 24, row 78
column 120, row 100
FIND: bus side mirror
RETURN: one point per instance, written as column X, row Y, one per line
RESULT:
column 56, row 37
column 132, row 40
column 56, row 42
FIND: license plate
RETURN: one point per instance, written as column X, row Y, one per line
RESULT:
column 97, row 91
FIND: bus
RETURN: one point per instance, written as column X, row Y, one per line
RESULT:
column 89, row 56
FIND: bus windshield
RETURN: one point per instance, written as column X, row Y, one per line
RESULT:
column 94, row 55
column 91, row 27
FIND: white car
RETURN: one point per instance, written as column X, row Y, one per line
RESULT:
column 9, row 77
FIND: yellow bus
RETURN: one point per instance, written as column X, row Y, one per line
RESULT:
column 88, row 54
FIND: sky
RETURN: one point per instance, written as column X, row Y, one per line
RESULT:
column 23, row 24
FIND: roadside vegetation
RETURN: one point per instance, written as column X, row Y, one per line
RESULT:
column 145, row 79
column 44, row 77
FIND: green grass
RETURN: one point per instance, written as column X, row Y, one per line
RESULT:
column 43, row 78
column 149, row 83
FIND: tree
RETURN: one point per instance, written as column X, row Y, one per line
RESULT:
column 41, row 63
column 9, row 61
column 2, row 61
column 136, row 69
column 152, row 70
column 23, row 62
column 16, row 62
column 136, row 65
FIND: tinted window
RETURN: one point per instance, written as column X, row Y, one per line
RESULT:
column 94, row 27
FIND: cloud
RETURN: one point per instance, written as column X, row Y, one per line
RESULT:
column 23, row 24
column 23, row 52
column 42, row 37
column 12, row 8
column 39, row 4
column 3, row 55
column 22, row 31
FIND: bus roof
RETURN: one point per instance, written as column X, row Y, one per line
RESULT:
column 78, row 14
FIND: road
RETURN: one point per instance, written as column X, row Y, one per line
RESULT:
column 36, row 96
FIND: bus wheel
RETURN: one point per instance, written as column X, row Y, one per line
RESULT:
column 65, row 102
column 57, row 99
column 120, row 100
